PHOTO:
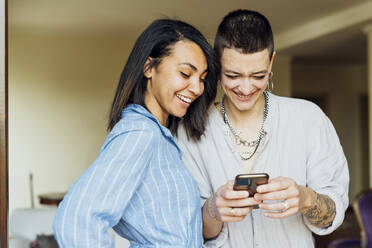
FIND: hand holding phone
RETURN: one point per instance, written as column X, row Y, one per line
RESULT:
column 249, row 182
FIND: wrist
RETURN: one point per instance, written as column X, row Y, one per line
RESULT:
column 211, row 209
column 308, row 198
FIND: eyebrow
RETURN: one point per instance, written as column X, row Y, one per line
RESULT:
column 254, row 73
column 192, row 67
column 231, row 71
column 260, row 72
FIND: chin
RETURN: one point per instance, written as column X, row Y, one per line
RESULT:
column 179, row 114
column 243, row 106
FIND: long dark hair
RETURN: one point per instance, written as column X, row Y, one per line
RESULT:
column 156, row 42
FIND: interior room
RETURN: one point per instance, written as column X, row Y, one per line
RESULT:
column 65, row 59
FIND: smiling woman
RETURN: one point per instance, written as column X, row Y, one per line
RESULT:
column 176, row 82
column 139, row 185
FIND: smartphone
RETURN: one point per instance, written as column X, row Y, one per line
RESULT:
column 250, row 182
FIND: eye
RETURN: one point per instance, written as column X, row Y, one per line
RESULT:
column 185, row 75
column 259, row 77
column 231, row 76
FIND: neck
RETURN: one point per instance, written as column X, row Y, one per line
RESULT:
column 156, row 110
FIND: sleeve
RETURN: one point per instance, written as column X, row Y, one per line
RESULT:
column 327, row 170
column 191, row 156
column 192, row 159
column 97, row 200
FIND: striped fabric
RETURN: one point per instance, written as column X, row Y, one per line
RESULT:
column 139, row 186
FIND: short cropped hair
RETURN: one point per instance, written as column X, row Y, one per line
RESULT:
column 246, row 30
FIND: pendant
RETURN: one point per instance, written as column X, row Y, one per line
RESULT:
column 245, row 155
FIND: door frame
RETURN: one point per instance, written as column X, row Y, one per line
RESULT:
column 4, row 200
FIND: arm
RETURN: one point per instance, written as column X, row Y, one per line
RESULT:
column 214, row 201
column 211, row 225
column 328, row 177
column 96, row 202
column 225, row 206
column 319, row 209
column 324, row 199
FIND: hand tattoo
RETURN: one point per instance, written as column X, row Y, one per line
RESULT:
column 322, row 213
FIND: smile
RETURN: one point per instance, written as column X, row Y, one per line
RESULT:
column 184, row 98
column 245, row 96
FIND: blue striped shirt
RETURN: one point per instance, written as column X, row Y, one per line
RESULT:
column 139, row 186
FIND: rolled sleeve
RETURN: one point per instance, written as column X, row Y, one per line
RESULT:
column 327, row 171
column 220, row 240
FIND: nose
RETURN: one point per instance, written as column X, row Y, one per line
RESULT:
column 196, row 87
column 245, row 86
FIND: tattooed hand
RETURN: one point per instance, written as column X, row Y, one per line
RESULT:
column 319, row 209
column 322, row 210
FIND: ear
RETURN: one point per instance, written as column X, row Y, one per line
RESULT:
column 272, row 59
column 148, row 68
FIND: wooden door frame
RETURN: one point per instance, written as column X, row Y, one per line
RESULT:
column 4, row 124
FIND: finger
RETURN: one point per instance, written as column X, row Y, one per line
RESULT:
column 246, row 202
column 275, row 195
column 234, row 194
column 230, row 184
column 275, row 185
column 226, row 191
column 235, row 212
column 279, row 206
column 276, row 179
column 281, row 215
column 229, row 219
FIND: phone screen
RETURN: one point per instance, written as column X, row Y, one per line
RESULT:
column 250, row 182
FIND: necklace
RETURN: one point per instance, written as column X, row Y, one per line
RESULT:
column 239, row 140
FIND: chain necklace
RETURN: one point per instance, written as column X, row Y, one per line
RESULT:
column 239, row 140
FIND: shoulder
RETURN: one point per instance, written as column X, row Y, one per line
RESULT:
column 298, row 108
column 135, row 128
column 296, row 104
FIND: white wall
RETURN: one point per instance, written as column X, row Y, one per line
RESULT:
column 60, row 91
column 343, row 84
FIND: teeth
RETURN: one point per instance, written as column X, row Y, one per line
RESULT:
column 241, row 96
column 244, row 97
column 184, row 98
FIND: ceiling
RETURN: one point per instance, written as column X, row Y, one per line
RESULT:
column 128, row 18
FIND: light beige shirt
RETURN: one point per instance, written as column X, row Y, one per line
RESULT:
column 301, row 143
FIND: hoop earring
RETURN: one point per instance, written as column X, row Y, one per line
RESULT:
column 270, row 83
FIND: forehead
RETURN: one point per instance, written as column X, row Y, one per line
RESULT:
column 235, row 60
column 187, row 52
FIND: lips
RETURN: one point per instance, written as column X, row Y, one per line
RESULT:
column 245, row 97
column 184, row 98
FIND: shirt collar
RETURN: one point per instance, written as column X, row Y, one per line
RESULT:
column 136, row 108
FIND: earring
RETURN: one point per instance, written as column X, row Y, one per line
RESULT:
column 270, row 83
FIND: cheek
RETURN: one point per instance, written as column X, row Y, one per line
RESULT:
column 177, row 83
column 202, row 87
column 228, row 83
column 261, row 84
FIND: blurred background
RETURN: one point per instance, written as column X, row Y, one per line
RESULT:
column 65, row 59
